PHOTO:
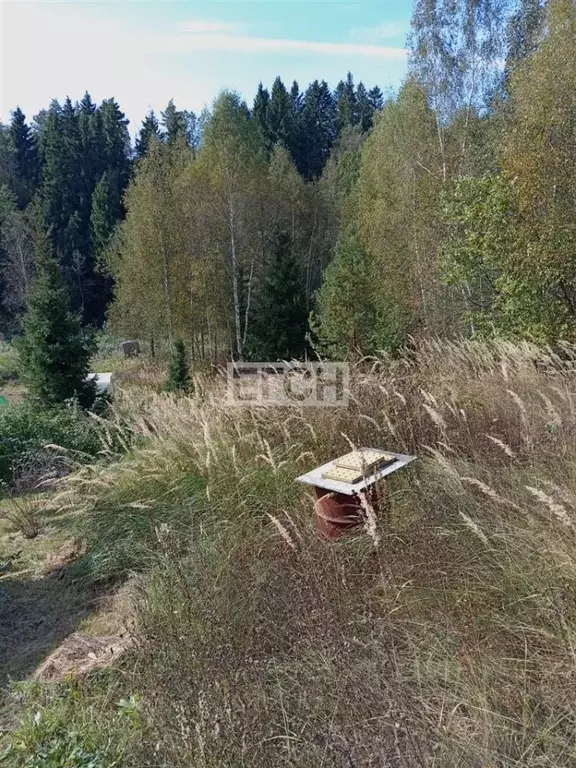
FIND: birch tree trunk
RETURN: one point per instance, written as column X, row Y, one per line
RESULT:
column 235, row 279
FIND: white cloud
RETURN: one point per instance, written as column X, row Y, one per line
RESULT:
column 200, row 26
column 380, row 32
column 248, row 44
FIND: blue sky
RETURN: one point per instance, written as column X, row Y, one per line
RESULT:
column 144, row 53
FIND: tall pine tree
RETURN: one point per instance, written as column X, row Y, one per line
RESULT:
column 278, row 329
column 105, row 214
column 25, row 158
column 180, row 125
column 260, row 115
column 150, row 130
column 280, row 115
column 365, row 109
column 347, row 103
column 319, row 127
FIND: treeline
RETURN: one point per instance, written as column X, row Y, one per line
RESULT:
column 67, row 171
column 337, row 222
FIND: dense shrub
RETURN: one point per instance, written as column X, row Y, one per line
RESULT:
column 27, row 429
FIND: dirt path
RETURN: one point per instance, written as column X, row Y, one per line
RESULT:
column 36, row 615
column 42, row 613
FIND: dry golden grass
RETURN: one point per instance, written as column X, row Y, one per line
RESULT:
column 445, row 637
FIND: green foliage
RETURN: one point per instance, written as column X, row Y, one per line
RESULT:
column 349, row 319
column 25, row 158
column 178, row 369
column 105, row 214
column 54, row 352
column 178, row 125
column 260, row 115
column 318, row 129
column 57, row 728
column 26, row 429
column 80, row 143
column 278, row 329
column 481, row 244
column 149, row 131
column 512, row 234
column 280, row 116
column 539, row 153
column 149, row 259
column 398, row 211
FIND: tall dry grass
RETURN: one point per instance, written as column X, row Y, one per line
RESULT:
column 445, row 636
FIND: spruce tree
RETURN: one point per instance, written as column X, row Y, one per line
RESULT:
column 278, row 330
column 345, row 96
column 7, row 162
column 25, row 158
column 150, row 130
column 280, row 115
column 89, row 127
column 319, row 125
column 178, row 370
column 54, row 353
column 80, row 144
column 105, row 214
column 296, row 96
column 180, row 124
column 365, row 108
column 376, row 98
column 115, row 142
column 260, row 114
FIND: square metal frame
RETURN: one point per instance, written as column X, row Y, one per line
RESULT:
column 314, row 477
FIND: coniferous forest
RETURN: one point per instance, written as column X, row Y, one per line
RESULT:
column 342, row 221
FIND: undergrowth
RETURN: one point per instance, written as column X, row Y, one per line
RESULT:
column 38, row 442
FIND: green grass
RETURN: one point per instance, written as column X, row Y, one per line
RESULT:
column 9, row 363
column 121, row 528
column 74, row 724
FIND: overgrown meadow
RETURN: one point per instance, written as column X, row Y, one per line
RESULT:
column 442, row 636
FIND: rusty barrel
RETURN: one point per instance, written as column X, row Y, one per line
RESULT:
column 338, row 514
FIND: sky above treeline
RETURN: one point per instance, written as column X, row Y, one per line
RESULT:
column 144, row 53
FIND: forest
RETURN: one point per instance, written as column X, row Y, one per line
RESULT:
column 338, row 223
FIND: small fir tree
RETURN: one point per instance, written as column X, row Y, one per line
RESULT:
column 54, row 352
column 178, row 370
